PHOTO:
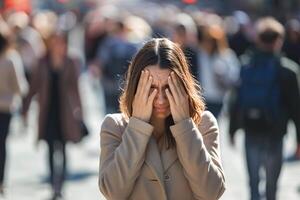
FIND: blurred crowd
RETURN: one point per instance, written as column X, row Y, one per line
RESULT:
column 45, row 52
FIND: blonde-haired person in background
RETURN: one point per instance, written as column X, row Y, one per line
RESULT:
column 267, row 98
column 162, row 145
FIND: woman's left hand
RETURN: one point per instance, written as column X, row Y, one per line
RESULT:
column 178, row 99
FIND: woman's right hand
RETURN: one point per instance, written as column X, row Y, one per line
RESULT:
column 143, row 100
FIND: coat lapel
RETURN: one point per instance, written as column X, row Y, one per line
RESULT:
column 169, row 156
column 153, row 160
column 160, row 164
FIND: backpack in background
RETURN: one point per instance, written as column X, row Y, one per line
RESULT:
column 259, row 94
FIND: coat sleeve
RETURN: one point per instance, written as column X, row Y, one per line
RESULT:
column 122, row 155
column 74, row 98
column 33, row 88
column 199, row 155
column 292, row 98
column 290, row 81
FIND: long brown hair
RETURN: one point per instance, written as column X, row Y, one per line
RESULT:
column 165, row 54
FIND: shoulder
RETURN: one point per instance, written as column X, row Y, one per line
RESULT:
column 208, row 122
column 113, row 123
column 288, row 70
column 289, row 65
column 208, row 118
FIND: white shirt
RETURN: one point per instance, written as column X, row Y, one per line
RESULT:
column 214, row 67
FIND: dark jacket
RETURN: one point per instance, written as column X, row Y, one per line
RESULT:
column 289, row 99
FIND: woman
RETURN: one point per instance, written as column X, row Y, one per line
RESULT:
column 218, row 67
column 13, row 84
column 55, row 81
column 163, row 145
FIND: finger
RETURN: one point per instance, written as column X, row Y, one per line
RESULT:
column 139, row 86
column 147, row 87
column 152, row 96
column 177, row 83
column 170, row 97
column 173, row 89
column 143, row 81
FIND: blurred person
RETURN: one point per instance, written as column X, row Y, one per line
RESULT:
column 267, row 97
column 184, row 34
column 138, row 29
column 99, row 25
column 218, row 67
column 31, row 48
column 95, row 34
column 240, row 41
column 291, row 46
column 55, row 82
column 12, row 85
column 162, row 145
column 291, row 49
column 113, row 58
column 161, row 25
column 17, row 21
column 45, row 23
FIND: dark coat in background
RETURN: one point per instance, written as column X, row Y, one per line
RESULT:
column 70, row 104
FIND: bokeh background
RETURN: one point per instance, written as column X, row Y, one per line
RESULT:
column 102, row 37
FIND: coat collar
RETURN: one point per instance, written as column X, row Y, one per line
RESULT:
column 168, row 157
column 153, row 159
column 160, row 163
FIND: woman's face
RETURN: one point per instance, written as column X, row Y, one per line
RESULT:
column 161, row 107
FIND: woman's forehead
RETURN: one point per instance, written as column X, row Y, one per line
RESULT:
column 158, row 73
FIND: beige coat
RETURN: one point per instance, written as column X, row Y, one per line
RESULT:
column 70, row 104
column 131, row 166
column 12, row 81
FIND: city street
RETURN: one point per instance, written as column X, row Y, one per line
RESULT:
column 26, row 177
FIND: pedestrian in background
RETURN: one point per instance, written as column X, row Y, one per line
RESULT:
column 218, row 67
column 267, row 97
column 113, row 58
column 184, row 34
column 163, row 145
column 291, row 49
column 55, row 82
column 12, row 85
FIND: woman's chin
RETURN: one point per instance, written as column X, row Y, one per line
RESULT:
column 160, row 115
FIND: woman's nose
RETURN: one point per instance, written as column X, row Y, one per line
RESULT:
column 161, row 97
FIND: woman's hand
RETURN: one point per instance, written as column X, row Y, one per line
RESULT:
column 143, row 101
column 178, row 99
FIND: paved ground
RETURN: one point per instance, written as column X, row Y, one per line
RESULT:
column 27, row 169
